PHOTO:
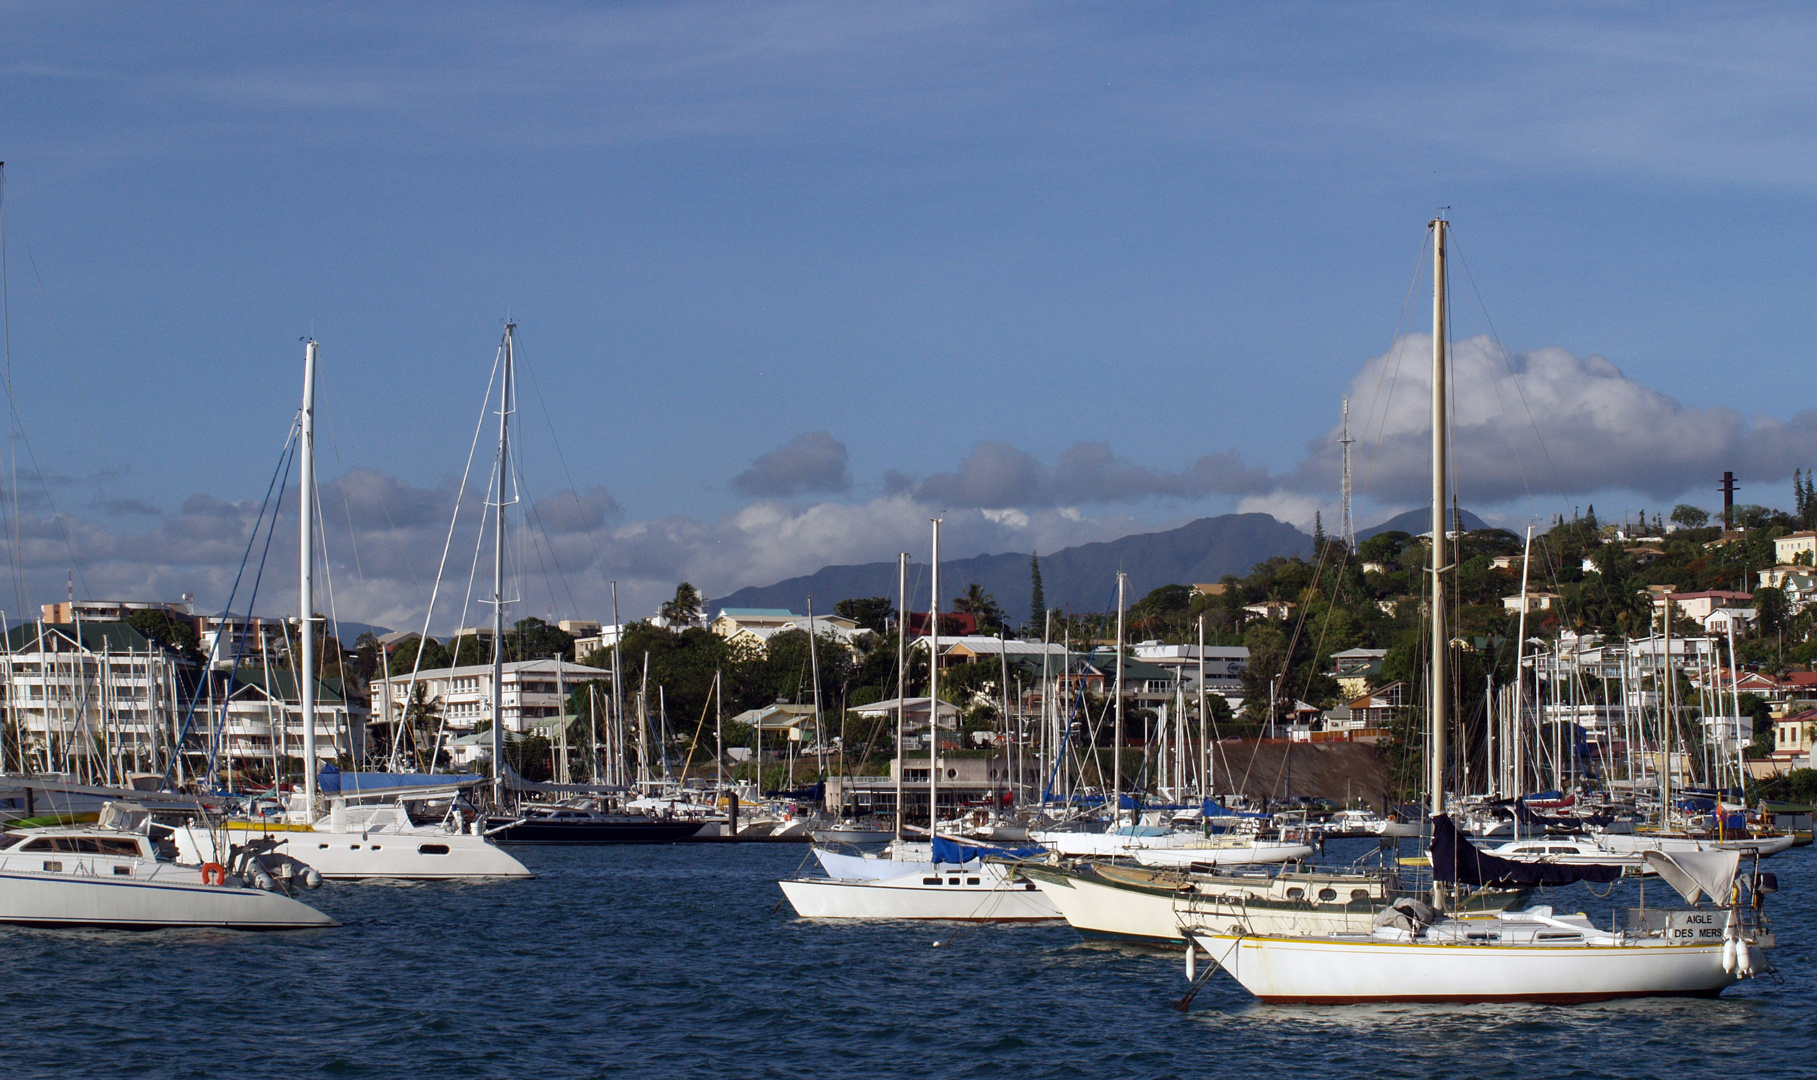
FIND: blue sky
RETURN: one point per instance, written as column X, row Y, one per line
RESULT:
column 790, row 277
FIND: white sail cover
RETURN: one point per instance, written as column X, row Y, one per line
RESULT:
column 1697, row 874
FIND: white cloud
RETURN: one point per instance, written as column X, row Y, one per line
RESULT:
column 1543, row 422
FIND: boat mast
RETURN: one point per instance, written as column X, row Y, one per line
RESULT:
column 1204, row 725
column 814, row 673
column 615, row 710
column 1116, row 741
column 933, row 690
column 1518, row 781
column 902, row 614
column 1441, row 642
column 306, row 578
column 498, row 581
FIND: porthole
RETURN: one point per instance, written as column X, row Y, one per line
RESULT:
column 432, row 849
column 1328, row 893
column 1358, row 895
column 1296, row 894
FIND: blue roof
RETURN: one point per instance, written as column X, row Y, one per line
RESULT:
column 777, row 612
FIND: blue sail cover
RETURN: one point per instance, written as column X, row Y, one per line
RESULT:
column 332, row 781
column 1455, row 858
column 952, row 851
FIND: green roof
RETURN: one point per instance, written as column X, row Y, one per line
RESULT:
column 93, row 636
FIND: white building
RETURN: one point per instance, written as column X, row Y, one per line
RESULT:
column 462, row 696
column 94, row 698
column 1786, row 549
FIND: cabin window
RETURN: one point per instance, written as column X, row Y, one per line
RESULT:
column 432, row 849
column 52, row 867
column 353, row 847
column 930, row 881
column 952, row 881
column 123, row 871
column 1296, row 894
column 38, row 845
column 971, row 881
column 1328, row 893
column 1357, row 895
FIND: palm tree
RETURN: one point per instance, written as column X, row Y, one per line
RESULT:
column 981, row 605
column 684, row 610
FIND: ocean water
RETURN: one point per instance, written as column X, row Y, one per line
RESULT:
column 678, row 962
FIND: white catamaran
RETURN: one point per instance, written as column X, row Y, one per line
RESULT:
column 371, row 842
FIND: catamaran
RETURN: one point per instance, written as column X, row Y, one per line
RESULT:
column 370, row 834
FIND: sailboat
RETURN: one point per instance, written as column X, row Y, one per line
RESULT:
column 1415, row 952
column 373, row 842
column 957, row 883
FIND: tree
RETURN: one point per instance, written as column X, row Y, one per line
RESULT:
column 403, row 658
column 684, row 610
column 870, row 612
column 1690, row 516
column 534, row 639
column 174, row 633
column 974, row 601
column 1037, row 597
column 1770, row 609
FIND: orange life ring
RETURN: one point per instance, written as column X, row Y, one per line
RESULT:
column 214, row 874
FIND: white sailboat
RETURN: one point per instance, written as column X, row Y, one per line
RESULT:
column 972, row 890
column 1416, row 953
column 369, row 842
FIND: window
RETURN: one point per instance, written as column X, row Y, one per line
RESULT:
column 52, row 867
column 1296, row 894
column 1328, row 893
column 432, row 849
column 123, row 871
column 930, row 881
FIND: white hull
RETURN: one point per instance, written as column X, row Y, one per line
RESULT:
column 1110, row 845
column 1106, row 910
column 1307, row 971
column 89, row 893
column 376, row 855
column 1631, row 843
column 1214, row 853
column 853, row 836
column 984, row 894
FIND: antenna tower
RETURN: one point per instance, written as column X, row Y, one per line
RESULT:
column 1347, row 527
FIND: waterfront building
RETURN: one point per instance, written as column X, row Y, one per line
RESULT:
column 462, row 696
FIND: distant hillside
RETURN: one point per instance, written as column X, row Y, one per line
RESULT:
column 1081, row 578
column 1418, row 522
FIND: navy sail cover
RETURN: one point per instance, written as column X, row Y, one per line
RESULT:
column 1455, row 858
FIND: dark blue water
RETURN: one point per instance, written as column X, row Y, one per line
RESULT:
column 673, row 962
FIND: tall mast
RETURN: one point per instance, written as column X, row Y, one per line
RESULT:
column 1517, row 782
column 933, row 689
column 1116, row 741
column 1204, row 724
column 1441, row 641
column 1347, row 526
column 498, row 580
column 814, row 673
column 902, row 614
column 306, row 578
column 615, row 712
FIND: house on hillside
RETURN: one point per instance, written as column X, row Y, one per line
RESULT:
column 1700, row 606
column 1272, row 609
column 1536, row 601
column 1786, row 549
column 1355, row 669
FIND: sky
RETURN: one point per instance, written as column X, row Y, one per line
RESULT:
column 791, row 278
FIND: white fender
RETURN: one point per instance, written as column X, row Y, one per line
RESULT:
column 1729, row 958
column 1192, row 961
